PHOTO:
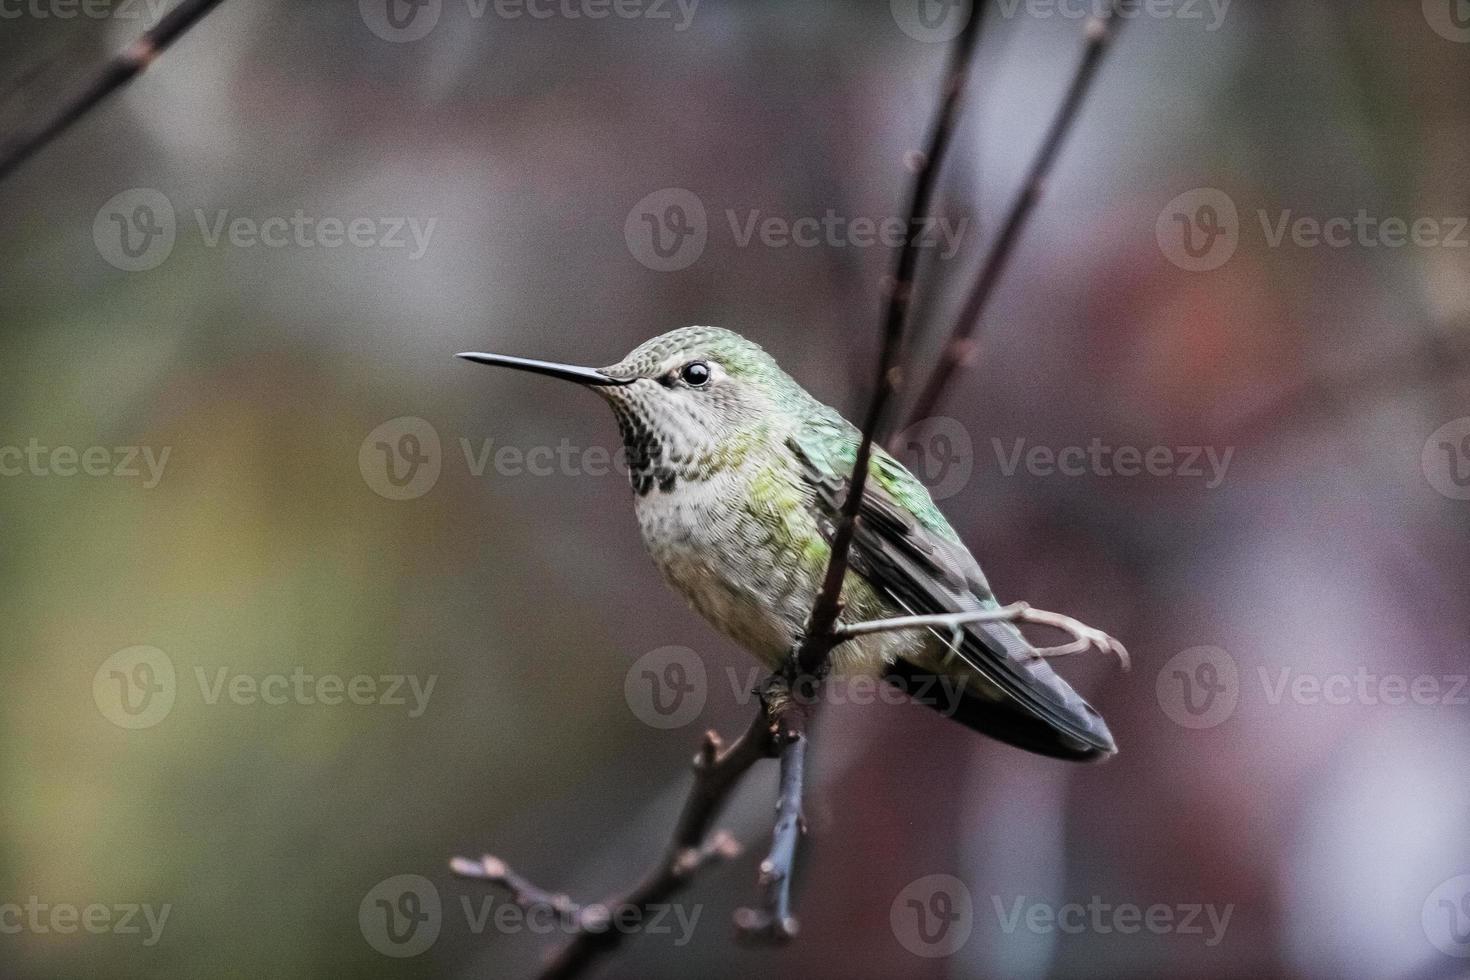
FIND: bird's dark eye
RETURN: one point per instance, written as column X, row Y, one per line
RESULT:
column 695, row 374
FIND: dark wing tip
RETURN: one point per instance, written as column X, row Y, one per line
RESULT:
column 1005, row 721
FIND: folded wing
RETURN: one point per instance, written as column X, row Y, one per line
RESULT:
column 1013, row 694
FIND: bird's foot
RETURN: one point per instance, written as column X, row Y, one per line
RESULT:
column 1084, row 637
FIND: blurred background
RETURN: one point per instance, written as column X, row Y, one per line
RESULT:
column 297, row 604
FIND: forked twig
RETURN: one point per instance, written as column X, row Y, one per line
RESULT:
column 959, row 350
column 717, row 770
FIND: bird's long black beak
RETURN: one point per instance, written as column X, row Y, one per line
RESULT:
column 567, row 372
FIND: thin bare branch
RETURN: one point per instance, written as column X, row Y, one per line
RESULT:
column 809, row 662
column 959, row 350
column 818, row 641
column 127, row 65
column 522, row 891
column 774, row 921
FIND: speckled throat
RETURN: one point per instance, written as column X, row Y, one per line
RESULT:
column 666, row 447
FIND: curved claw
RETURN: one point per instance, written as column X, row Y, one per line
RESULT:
column 1084, row 637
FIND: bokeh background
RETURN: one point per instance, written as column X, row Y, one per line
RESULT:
column 1333, row 544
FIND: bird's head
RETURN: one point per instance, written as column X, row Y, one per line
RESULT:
column 689, row 402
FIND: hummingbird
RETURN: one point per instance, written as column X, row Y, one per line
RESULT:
column 738, row 478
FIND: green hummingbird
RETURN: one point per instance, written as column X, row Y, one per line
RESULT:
column 738, row 477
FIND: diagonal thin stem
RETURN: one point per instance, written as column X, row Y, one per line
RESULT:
column 717, row 772
column 775, row 920
column 810, row 659
column 818, row 642
column 959, row 349
column 128, row 64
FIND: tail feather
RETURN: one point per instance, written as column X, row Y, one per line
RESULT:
column 1085, row 739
